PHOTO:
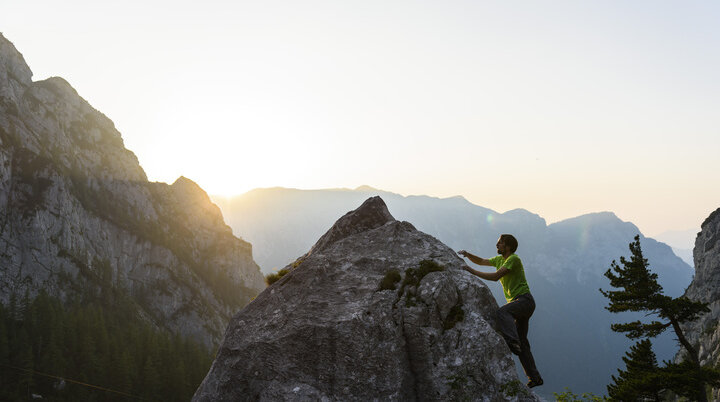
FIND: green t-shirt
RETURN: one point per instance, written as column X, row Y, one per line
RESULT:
column 514, row 283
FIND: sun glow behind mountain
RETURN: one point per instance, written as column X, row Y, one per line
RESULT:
column 562, row 108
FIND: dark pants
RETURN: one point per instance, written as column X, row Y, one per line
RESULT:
column 512, row 320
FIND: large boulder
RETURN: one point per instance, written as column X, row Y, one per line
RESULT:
column 376, row 310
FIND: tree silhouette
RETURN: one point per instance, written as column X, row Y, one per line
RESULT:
column 641, row 380
column 640, row 292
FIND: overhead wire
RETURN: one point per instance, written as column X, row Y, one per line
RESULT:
column 74, row 381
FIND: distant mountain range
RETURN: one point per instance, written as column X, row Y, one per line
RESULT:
column 565, row 262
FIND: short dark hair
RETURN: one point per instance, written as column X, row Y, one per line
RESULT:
column 509, row 241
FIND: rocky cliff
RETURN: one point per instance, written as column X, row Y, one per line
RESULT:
column 376, row 310
column 77, row 214
column 705, row 287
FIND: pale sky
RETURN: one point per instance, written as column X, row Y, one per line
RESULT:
column 558, row 107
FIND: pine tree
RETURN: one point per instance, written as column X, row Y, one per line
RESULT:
column 640, row 292
column 151, row 377
column 94, row 344
column 5, row 374
column 641, row 379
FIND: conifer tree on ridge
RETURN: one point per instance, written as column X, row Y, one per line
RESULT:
column 640, row 292
column 641, row 380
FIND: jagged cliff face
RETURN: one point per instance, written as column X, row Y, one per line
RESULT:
column 328, row 330
column 705, row 287
column 77, row 212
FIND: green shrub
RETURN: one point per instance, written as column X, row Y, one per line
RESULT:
column 569, row 396
column 413, row 277
column 427, row 266
column 391, row 278
column 275, row 276
column 513, row 388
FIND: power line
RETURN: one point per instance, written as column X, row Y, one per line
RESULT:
column 74, row 381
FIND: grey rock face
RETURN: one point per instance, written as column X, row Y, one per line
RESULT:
column 564, row 261
column 328, row 331
column 77, row 213
column 705, row 287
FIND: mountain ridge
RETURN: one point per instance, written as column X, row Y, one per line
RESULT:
column 78, row 215
column 587, row 218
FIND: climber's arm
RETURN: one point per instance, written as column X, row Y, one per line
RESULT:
column 477, row 260
column 489, row 276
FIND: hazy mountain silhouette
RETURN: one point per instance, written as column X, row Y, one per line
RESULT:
column 681, row 241
column 570, row 331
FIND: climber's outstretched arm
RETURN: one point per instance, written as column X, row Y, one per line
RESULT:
column 490, row 276
column 472, row 257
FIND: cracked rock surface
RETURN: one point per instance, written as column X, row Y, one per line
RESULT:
column 704, row 333
column 328, row 331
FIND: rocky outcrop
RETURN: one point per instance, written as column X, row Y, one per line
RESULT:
column 563, row 261
column 705, row 287
column 77, row 214
column 377, row 310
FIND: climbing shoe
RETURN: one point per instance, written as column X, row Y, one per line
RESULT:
column 535, row 383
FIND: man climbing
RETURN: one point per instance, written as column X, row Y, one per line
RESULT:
column 513, row 317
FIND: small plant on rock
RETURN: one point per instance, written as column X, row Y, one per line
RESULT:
column 413, row 277
column 569, row 396
column 275, row 276
column 391, row 278
column 513, row 388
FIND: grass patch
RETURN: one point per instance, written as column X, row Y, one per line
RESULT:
column 275, row 276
